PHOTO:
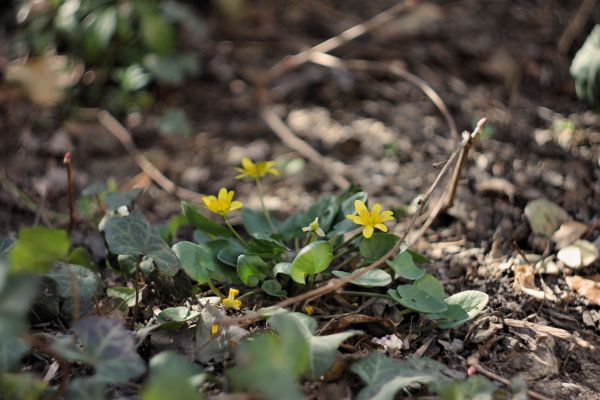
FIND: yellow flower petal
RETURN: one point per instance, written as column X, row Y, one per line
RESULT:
column 381, row 227
column 273, row 171
column 209, row 201
column 233, row 292
column 362, row 210
column 375, row 210
column 355, row 218
column 247, row 164
column 222, row 196
column 236, row 205
column 367, row 231
column 386, row 216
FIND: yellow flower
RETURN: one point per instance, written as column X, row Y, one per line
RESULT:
column 309, row 310
column 371, row 220
column 214, row 329
column 255, row 171
column 223, row 204
column 314, row 227
column 230, row 301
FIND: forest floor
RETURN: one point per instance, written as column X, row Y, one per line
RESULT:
column 493, row 59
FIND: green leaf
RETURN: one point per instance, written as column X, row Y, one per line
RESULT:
column 544, row 216
column 131, row 78
column 197, row 260
column 99, row 28
column 326, row 209
column 229, row 254
column 110, row 349
column 122, row 294
column 311, row 260
column 384, row 377
column 416, row 299
column 22, row 386
column 430, row 284
column 462, row 307
column 202, row 223
column 175, row 317
column 263, row 245
column 282, row 268
column 172, row 376
column 12, row 349
column 419, row 258
column 16, row 297
column 157, row 33
column 585, row 69
column 37, row 248
column 322, row 349
column 404, row 266
column 372, row 278
column 175, row 122
column 81, row 256
column 210, row 347
column 87, row 388
column 133, row 235
column 256, row 222
column 88, row 285
column 292, row 227
column 474, row 387
column 251, row 269
column 273, row 288
column 377, row 246
column 172, row 69
column 115, row 200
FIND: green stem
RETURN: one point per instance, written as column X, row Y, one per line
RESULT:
column 262, row 204
column 250, row 293
column 341, row 254
column 234, row 232
column 366, row 294
column 214, row 289
column 311, row 280
column 346, row 262
column 347, row 242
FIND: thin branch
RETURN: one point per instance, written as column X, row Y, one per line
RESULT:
column 119, row 131
column 549, row 330
column 576, row 25
column 334, row 169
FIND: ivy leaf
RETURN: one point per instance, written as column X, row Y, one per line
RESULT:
column 273, row 288
column 416, row 299
column 385, row 377
column 251, row 269
column 115, row 200
column 462, row 307
column 172, row 376
column 16, row 297
column 87, row 388
column 322, row 349
column 133, row 235
column 404, row 266
column 12, row 349
column 311, row 260
column 377, row 246
column 197, row 260
column 110, row 349
column 372, row 278
column 89, row 285
column 37, row 248
column 202, row 223
column 125, row 296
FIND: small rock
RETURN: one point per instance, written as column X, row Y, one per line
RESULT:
column 256, row 151
column 193, row 176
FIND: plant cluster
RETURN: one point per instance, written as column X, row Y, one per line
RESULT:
column 44, row 279
column 124, row 45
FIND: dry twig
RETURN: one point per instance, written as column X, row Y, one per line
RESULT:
column 549, row 330
column 576, row 25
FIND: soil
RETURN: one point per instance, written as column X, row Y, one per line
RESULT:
column 494, row 59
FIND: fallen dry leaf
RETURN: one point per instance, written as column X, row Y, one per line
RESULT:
column 588, row 288
column 545, row 217
column 569, row 232
column 580, row 254
column 525, row 283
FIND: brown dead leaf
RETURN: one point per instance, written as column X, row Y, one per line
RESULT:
column 588, row 288
column 525, row 283
column 45, row 78
column 569, row 232
column 383, row 325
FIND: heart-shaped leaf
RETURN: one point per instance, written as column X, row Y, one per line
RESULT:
column 263, row 245
column 282, row 268
column 430, row 284
column 125, row 296
column 372, row 278
column 311, row 260
column 416, row 299
column 202, row 223
column 175, row 317
column 172, row 376
column 198, row 261
column 88, row 285
column 251, row 269
column 133, row 235
column 462, row 307
column 37, row 248
column 273, row 288
column 377, row 246
column 256, row 222
column 404, row 266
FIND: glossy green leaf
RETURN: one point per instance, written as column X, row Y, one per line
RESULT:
column 372, row 278
column 88, row 282
column 229, row 254
column 311, row 260
column 322, row 349
column 197, row 260
column 81, row 256
column 377, row 246
column 110, row 349
column 430, row 284
column 263, row 245
column 133, row 235
column 326, row 209
column 462, row 307
column 255, row 221
column 282, row 268
column 172, row 376
column 416, row 299
column 251, row 269
column 404, row 266
column 202, row 223
column 175, row 317
column 123, row 295
column 157, row 33
column 37, row 248
column 273, row 288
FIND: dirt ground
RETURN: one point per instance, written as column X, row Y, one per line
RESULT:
column 495, row 59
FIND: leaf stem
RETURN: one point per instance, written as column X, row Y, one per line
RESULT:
column 137, row 293
column 248, row 294
column 67, row 162
column 214, row 289
column 262, row 204
column 347, row 242
column 366, row 294
column 238, row 237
